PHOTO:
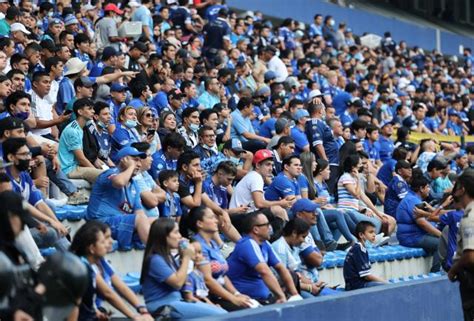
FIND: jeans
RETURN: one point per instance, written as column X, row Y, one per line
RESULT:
column 322, row 232
column 353, row 217
column 186, row 310
column 49, row 239
column 430, row 244
column 60, row 179
column 335, row 217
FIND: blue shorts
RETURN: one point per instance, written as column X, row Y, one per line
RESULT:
column 123, row 229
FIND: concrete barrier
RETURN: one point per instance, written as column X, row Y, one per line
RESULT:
column 435, row 299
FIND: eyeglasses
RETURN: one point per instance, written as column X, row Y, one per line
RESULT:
column 263, row 224
column 26, row 154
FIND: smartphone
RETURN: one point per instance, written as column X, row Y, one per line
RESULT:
column 422, row 206
column 150, row 132
column 67, row 112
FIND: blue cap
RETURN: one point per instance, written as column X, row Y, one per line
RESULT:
column 70, row 20
column 118, row 87
column 269, row 75
column 129, row 151
column 300, row 113
column 453, row 112
column 303, row 205
column 385, row 123
column 109, row 52
column 461, row 153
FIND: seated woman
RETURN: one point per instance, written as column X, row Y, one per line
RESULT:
column 147, row 130
column 168, row 124
column 313, row 186
column 163, row 275
column 413, row 229
column 91, row 245
column 203, row 222
column 125, row 133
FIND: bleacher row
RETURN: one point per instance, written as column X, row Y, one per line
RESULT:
column 393, row 262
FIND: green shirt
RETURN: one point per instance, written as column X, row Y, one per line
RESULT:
column 4, row 28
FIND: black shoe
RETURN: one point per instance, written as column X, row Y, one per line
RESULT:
column 343, row 246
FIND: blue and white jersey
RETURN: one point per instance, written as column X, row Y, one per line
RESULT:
column 281, row 187
column 161, row 162
column 396, row 191
column 26, row 188
column 372, row 148
column 356, row 267
column 318, row 132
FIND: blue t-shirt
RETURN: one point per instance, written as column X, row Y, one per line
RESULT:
column 451, row 219
column 122, row 137
column 26, row 188
column 154, row 286
column 408, row 232
column 386, row 148
column 340, row 102
column 396, row 191
column 216, row 193
column 240, row 125
column 281, row 187
column 70, row 140
column 385, row 173
column 372, row 149
column 242, row 262
column 106, row 200
column 301, row 141
column 65, row 94
column 267, row 129
column 212, row 253
column 356, row 267
column 161, row 162
column 171, row 207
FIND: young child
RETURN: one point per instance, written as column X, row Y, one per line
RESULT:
column 195, row 289
column 172, row 206
column 357, row 273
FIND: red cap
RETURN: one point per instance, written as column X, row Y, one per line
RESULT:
column 262, row 155
column 113, row 7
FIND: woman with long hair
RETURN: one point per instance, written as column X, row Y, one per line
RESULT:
column 204, row 223
column 163, row 275
column 167, row 124
column 146, row 128
column 91, row 245
column 334, row 218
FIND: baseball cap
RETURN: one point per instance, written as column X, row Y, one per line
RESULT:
column 70, row 20
column 10, row 123
column 55, row 21
column 453, row 112
column 283, row 122
column 133, row 4
column 356, row 102
column 175, row 94
column 113, row 7
column 89, row 7
column 261, row 155
column 269, row 75
column 402, row 164
column 74, row 66
column 300, row 113
column 109, row 52
column 314, row 93
column 130, row 151
column 303, row 205
column 262, row 90
column 235, row 145
column 140, row 46
column 118, row 87
column 19, row 27
column 385, row 123
column 271, row 49
column 84, row 82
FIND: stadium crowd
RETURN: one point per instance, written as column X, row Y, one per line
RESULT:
column 286, row 141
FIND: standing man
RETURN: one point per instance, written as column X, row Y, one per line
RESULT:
column 463, row 267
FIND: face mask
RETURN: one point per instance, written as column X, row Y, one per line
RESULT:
column 22, row 115
column 194, row 127
column 23, row 165
column 234, row 160
column 361, row 169
column 408, row 102
column 332, row 22
column 101, row 125
column 50, row 14
column 130, row 123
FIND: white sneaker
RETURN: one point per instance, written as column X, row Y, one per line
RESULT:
column 381, row 240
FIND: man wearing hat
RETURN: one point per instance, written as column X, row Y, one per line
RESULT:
column 275, row 64
column 139, row 49
column 350, row 114
column 108, row 58
column 115, row 200
column 460, row 162
column 118, row 95
column 18, row 34
column 298, row 132
column 107, row 28
column 71, row 24
column 234, row 152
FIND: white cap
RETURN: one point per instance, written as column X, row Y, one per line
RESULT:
column 133, row 3
column 410, row 88
column 314, row 93
column 74, row 66
column 89, row 7
column 19, row 27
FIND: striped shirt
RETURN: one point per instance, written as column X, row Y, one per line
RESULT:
column 346, row 199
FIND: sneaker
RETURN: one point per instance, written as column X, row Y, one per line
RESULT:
column 344, row 246
column 381, row 240
column 77, row 199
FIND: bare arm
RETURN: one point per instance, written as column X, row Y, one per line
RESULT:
column 286, row 278
column 81, row 158
column 427, row 227
column 177, row 279
column 112, row 297
column 321, row 152
column 270, row 280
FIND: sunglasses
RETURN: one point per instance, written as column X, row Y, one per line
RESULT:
column 263, row 224
column 148, row 115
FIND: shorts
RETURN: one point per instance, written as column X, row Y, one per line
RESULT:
column 123, row 229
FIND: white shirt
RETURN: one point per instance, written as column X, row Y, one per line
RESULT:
column 42, row 108
column 53, row 92
column 278, row 67
column 242, row 196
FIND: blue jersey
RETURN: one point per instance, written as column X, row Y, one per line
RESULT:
column 216, row 193
column 318, row 132
column 154, row 285
column 281, row 187
column 356, row 267
column 301, row 140
column 347, row 118
column 396, row 191
column 171, row 207
column 386, row 148
column 161, row 162
column 372, row 148
column 122, row 137
column 451, row 219
column 246, row 256
column 65, row 94
column 212, row 253
column 26, row 188
column 106, row 200
column 340, row 102
column 385, row 173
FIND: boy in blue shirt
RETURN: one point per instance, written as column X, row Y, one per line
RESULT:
column 357, row 268
column 169, row 181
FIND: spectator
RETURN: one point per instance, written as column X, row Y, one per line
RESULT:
column 106, row 28
column 125, row 132
column 115, row 194
column 211, row 95
column 167, row 157
column 250, row 262
column 171, row 207
column 162, row 276
column 190, row 127
column 71, row 156
column 298, row 131
column 357, row 268
column 146, row 128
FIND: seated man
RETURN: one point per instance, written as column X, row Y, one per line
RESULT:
column 413, row 229
column 71, row 155
column 50, row 232
column 398, row 188
column 115, row 200
column 249, row 264
column 285, row 185
column 167, row 157
column 207, row 149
